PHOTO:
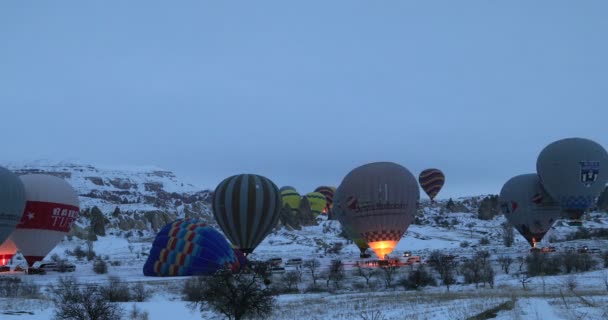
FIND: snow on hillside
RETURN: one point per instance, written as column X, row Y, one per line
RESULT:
column 458, row 233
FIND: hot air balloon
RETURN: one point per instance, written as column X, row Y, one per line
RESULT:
column 328, row 192
column 380, row 199
column 12, row 202
column 292, row 198
column 187, row 248
column 51, row 209
column 246, row 207
column 528, row 207
column 431, row 181
column 574, row 172
column 285, row 188
column 317, row 202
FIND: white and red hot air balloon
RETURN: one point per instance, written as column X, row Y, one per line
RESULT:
column 50, row 210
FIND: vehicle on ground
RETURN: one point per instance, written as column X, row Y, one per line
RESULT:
column 275, row 261
column 54, row 266
column 277, row 270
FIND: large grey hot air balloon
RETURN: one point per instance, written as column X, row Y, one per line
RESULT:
column 574, row 172
column 246, row 207
column 528, row 207
column 379, row 201
column 12, row 202
column 52, row 207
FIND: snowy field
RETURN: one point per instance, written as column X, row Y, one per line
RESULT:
column 544, row 298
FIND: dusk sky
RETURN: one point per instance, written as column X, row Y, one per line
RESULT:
column 303, row 92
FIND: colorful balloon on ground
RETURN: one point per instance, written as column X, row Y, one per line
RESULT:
column 328, row 192
column 12, row 202
column 528, row 207
column 246, row 207
column 574, row 172
column 431, row 181
column 51, row 209
column 291, row 197
column 317, row 202
column 188, row 248
column 380, row 199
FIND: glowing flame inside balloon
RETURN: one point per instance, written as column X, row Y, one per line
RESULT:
column 383, row 248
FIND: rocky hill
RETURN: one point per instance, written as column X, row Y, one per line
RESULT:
column 134, row 201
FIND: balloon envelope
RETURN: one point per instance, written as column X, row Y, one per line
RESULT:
column 317, row 202
column 187, row 248
column 379, row 201
column 431, row 181
column 328, row 192
column 528, row 207
column 285, row 188
column 574, row 172
column 12, row 202
column 246, row 207
column 292, row 198
column 52, row 207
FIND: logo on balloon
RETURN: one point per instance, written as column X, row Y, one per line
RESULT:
column 590, row 171
column 63, row 217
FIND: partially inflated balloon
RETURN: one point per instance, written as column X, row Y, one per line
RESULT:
column 246, row 207
column 292, row 198
column 188, row 248
column 51, row 209
column 285, row 188
column 317, row 202
column 328, row 192
column 380, row 199
column 528, row 207
column 12, row 202
column 574, row 172
column 431, row 181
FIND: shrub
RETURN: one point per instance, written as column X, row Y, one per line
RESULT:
column 100, row 266
column 13, row 287
column 136, row 314
column 236, row 296
column 541, row 264
column 139, row 292
column 484, row 241
column 417, row 279
column 116, row 290
column 73, row 301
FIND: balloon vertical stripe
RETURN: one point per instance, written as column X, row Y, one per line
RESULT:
column 246, row 207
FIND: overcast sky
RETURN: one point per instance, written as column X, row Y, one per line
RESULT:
column 303, row 91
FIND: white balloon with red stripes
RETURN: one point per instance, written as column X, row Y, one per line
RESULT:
column 50, row 211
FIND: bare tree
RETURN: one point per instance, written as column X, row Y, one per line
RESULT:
column 471, row 226
column 290, row 279
column 313, row 267
column 445, row 267
column 508, row 236
column 417, row 279
column 336, row 273
column 236, row 296
column 366, row 273
column 388, row 273
column 478, row 269
column 523, row 279
column 262, row 269
column 74, row 301
column 505, row 263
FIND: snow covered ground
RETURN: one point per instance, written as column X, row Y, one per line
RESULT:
column 544, row 298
